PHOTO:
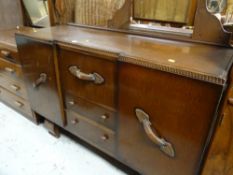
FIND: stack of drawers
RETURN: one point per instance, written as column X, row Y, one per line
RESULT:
column 12, row 88
column 90, row 106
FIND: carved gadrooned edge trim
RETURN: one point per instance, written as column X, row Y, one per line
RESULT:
column 173, row 70
column 139, row 61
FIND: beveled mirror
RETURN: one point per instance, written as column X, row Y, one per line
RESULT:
column 37, row 11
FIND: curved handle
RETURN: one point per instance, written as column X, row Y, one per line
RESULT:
column 15, row 87
column 5, row 53
column 10, row 70
column 18, row 104
column 40, row 80
column 164, row 146
column 94, row 77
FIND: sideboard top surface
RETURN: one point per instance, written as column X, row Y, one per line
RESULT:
column 198, row 61
column 7, row 36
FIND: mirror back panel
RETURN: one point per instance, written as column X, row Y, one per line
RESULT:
column 10, row 14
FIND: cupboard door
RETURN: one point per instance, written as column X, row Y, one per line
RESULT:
column 37, row 59
column 164, row 121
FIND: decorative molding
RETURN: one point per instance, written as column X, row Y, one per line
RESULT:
column 141, row 62
column 174, row 70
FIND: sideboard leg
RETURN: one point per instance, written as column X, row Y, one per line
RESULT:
column 52, row 128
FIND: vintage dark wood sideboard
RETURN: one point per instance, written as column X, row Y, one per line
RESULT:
column 158, row 102
column 150, row 103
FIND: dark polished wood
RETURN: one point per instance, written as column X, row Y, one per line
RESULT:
column 14, row 86
column 178, row 85
column 52, row 128
column 7, row 39
column 91, row 132
column 92, row 111
column 101, row 94
column 16, row 102
column 9, row 55
column 180, row 109
column 10, row 69
column 43, row 96
column 220, row 154
column 14, row 92
column 197, row 61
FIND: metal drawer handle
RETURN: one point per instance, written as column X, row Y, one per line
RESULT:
column 94, row 77
column 104, row 117
column 75, row 121
column 14, row 87
column 104, row 137
column 72, row 103
column 5, row 53
column 19, row 104
column 10, row 70
column 163, row 145
column 40, row 80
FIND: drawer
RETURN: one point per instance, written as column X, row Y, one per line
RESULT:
column 9, row 55
column 164, row 121
column 9, row 68
column 96, row 113
column 91, row 132
column 15, row 102
column 14, row 86
column 88, row 77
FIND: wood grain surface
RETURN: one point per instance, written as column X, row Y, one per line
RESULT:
column 220, row 156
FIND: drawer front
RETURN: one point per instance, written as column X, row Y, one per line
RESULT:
column 9, row 55
column 15, row 102
column 40, row 78
column 98, row 114
column 91, row 132
column 14, row 86
column 154, row 106
column 11, row 69
column 101, row 92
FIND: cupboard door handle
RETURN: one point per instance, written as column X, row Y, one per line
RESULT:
column 40, row 80
column 94, row 77
column 14, row 87
column 10, row 70
column 5, row 53
column 163, row 145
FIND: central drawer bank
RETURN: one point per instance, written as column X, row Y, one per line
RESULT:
column 152, row 104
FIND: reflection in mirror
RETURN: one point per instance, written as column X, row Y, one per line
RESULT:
column 222, row 9
column 164, row 15
column 38, row 12
column 180, row 11
column 96, row 12
column 148, row 15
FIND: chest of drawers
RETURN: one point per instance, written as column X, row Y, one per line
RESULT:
column 12, row 88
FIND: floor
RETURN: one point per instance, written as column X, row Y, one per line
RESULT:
column 27, row 149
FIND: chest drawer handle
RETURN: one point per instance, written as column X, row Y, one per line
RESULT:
column 40, row 80
column 10, row 70
column 19, row 104
column 163, row 145
column 5, row 53
column 14, row 87
column 94, row 77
